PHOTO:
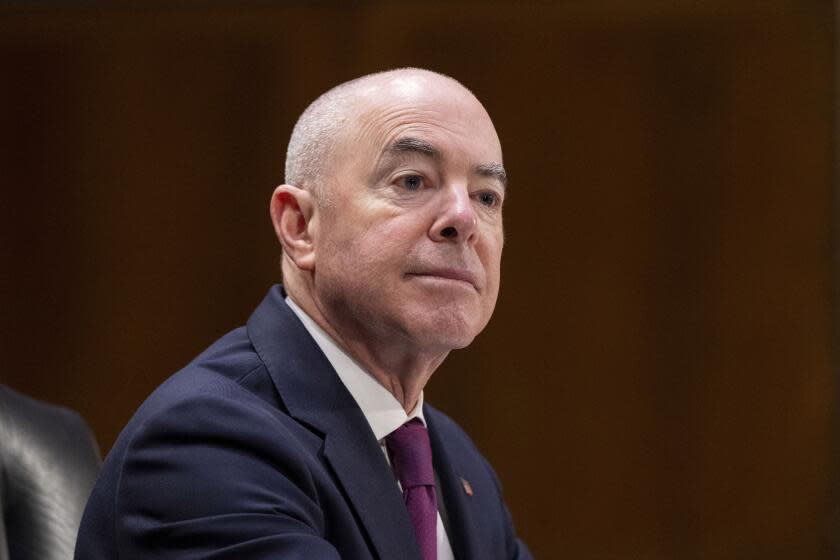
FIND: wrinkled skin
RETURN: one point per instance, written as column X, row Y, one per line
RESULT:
column 405, row 257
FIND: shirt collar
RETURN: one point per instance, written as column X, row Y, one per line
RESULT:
column 382, row 410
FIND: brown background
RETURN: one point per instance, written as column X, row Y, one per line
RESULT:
column 659, row 380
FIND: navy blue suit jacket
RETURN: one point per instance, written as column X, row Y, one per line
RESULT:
column 257, row 450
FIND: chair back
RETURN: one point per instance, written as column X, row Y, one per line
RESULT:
column 49, row 460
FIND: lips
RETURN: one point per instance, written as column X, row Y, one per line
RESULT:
column 448, row 274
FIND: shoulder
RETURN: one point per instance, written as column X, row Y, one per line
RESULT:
column 225, row 390
column 217, row 420
column 211, row 441
column 226, row 371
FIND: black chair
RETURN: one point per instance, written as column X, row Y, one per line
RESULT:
column 48, row 463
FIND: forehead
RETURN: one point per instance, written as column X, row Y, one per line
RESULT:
column 443, row 115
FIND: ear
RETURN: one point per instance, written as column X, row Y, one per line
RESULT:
column 292, row 211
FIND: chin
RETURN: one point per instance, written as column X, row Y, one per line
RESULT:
column 460, row 343
column 448, row 329
column 443, row 342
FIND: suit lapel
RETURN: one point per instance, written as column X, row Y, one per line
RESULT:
column 380, row 505
column 466, row 532
column 313, row 394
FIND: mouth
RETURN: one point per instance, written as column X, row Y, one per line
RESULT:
column 447, row 275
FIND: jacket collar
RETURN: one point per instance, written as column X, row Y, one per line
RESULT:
column 384, row 413
column 313, row 394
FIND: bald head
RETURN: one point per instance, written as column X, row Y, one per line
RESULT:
column 318, row 131
column 391, row 217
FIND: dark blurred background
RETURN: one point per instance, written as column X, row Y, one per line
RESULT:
column 660, row 378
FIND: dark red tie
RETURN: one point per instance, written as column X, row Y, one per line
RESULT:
column 411, row 459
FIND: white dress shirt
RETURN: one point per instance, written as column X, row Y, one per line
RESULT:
column 382, row 410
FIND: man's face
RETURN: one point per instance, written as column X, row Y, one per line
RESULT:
column 409, row 247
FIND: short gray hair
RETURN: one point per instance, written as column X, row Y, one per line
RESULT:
column 317, row 131
column 313, row 139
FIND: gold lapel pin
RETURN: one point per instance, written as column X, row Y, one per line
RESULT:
column 467, row 487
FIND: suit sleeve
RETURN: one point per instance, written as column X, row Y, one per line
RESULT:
column 218, row 478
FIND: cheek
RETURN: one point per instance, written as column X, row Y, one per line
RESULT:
column 368, row 256
column 492, row 262
column 491, row 256
column 390, row 240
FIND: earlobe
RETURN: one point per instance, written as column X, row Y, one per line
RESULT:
column 292, row 214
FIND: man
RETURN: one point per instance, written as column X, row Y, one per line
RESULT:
column 304, row 435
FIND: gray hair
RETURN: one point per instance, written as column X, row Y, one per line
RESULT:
column 317, row 131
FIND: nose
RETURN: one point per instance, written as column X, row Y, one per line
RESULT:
column 457, row 220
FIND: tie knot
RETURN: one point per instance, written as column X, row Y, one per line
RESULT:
column 411, row 454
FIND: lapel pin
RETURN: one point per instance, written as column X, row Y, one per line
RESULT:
column 467, row 487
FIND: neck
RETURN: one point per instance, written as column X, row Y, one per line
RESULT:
column 394, row 362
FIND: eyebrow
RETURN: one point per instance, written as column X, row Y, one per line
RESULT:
column 493, row 171
column 411, row 145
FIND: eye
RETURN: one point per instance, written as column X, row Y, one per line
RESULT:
column 489, row 199
column 411, row 182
